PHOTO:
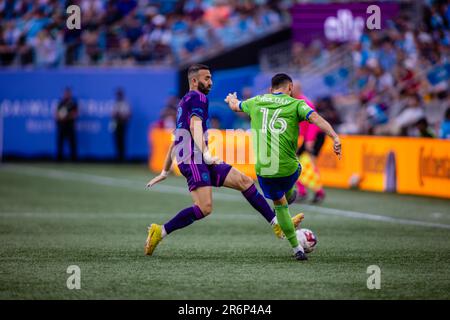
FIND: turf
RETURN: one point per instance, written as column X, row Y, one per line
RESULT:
column 53, row 216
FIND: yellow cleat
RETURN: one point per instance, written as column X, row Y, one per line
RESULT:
column 277, row 230
column 295, row 220
column 153, row 239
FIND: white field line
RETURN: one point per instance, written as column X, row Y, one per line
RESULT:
column 120, row 182
column 373, row 217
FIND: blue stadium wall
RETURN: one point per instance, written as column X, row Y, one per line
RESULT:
column 28, row 100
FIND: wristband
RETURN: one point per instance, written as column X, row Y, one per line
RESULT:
column 207, row 157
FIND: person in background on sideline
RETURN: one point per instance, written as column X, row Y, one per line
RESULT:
column 66, row 115
column 120, row 116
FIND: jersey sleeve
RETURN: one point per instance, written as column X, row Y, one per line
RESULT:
column 303, row 110
column 197, row 108
column 247, row 105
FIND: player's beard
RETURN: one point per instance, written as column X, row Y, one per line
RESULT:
column 203, row 89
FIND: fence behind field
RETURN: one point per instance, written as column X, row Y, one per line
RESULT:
column 390, row 164
column 28, row 100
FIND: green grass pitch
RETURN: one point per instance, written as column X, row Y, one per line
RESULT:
column 96, row 217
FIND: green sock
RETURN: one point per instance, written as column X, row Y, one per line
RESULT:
column 285, row 222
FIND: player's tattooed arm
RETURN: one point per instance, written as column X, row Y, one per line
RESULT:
column 165, row 172
column 198, row 136
column 328, row 129
column 233, row 102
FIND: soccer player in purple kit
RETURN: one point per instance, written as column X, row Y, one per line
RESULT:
column 201, row 170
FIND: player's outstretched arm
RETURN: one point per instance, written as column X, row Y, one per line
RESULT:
column 197, row 134
column 328, row 129
column 233, row 102
column 165, row 172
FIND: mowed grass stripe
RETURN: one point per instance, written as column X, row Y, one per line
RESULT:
column 105, row 215
column 126, row 183
column 215, row 258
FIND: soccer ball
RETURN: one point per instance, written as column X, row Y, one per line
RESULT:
column 307, row 239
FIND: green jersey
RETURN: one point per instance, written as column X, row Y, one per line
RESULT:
column 275, row 124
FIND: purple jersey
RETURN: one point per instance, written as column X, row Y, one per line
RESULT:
column 193, row 103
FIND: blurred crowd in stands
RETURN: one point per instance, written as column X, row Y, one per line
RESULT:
column 401, row 75
column 129, row 32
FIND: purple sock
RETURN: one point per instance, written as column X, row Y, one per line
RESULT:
column 184, row 218
column 259, row 203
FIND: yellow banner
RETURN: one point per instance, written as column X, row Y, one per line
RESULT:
column 403, row 165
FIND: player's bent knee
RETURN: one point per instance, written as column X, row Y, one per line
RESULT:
column 206, row 208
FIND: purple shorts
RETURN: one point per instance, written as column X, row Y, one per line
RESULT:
column 201, row 175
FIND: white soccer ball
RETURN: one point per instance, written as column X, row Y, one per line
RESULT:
column 307, row 239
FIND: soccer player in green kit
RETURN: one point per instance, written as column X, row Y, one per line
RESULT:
column 275, row 119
